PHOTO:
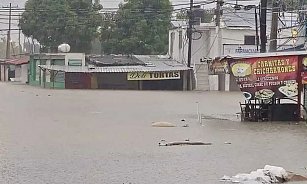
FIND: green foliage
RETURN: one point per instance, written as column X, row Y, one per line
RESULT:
column 53, row 22
column 183, row 15
column 139, row 27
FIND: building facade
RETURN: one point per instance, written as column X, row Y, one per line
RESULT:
column 15, row 69
column 52, row 79
column 236, row 35
column 114, row 72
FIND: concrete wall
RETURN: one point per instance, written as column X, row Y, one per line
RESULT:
column 214, row 82
column 18, row 72
column 206, row 43
column 4, row 73
column 21, row 73
column 177, row 53
column 74, row 56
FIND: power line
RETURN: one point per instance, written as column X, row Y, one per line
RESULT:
column 11, row 15
column 14, row 10
column 8, row 23
column 8, row 29
column 243, row 18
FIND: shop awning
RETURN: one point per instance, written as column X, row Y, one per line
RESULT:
column 115, row 69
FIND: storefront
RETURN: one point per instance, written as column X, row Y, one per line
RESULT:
column 271, row 84
column 120, row 77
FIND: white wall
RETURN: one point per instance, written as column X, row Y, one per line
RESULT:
column 4, row 73
column 206, row 43
column 74, row 56
column 24, row 73
column 200, row 47
column 18, row 71
column 178, row 54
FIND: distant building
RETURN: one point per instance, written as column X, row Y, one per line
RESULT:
column 14, row 69
column 237, row 35
column 29, row 47
column 39, row 76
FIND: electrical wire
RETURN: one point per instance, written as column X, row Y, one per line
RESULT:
column 242, row 18
column 90, row 10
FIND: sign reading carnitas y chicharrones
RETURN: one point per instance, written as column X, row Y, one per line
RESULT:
column 167, row 75
column 267, row 77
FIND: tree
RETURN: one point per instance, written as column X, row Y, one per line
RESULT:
column 53, row 22
column 206, row 18
column 139, row 27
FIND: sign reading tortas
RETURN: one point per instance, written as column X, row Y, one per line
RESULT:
column 267, row 77
column 153, row 75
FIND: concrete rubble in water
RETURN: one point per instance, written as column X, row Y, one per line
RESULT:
column 269, row 174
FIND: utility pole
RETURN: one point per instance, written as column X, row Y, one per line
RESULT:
column 274, row 27
column 191, row 18
column 19, row 39
column 263, row 25
column 256, row 25
column 217, row 28
column 8, row 41
column 218, row 13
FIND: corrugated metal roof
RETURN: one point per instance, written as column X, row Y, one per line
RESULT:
column 153, row 63
column 113, row 69
column 114, row 60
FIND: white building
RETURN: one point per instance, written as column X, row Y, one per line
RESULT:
column 237, row 34
column 14, row 69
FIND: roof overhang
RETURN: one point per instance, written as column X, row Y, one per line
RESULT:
column 114, row 69
column 268, row 54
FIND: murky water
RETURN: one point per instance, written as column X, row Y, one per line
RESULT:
column 82, row 136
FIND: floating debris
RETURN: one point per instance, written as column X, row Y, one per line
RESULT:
column 181, row 143
column 295, row 177
column 267, row 175
column 162, row 124
column 186, row 125
column 227, row 142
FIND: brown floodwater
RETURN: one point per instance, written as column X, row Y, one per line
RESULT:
column 101, row 136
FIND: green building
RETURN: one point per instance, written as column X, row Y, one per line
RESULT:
column 39, row 76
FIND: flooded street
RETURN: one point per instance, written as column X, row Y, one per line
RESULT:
column 96, row 136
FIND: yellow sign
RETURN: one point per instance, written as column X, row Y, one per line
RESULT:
column 294, row 33
column 154, row 75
